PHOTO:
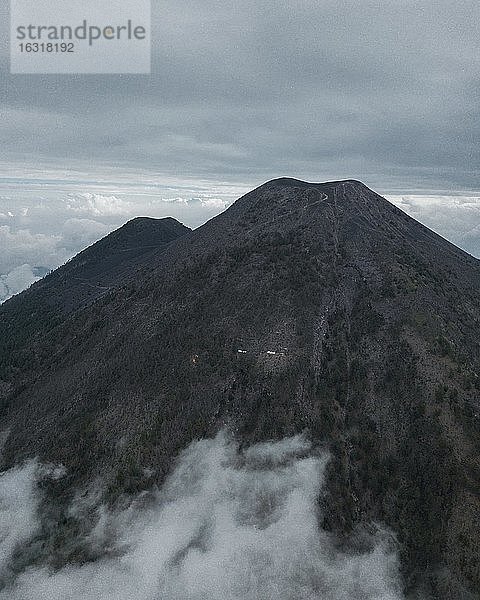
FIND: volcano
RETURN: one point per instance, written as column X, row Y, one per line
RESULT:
column 305, row 308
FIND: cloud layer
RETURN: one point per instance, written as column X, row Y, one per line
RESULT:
column 228, row 525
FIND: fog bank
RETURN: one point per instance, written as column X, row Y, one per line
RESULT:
column 227, row 524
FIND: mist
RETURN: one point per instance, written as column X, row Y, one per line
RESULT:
column 228, row 523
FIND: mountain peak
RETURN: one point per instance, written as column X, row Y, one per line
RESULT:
column 289, row 203
column 285, row 191
column 106, row 265
column 151, row 221
column 298, row 183
column 137, row 225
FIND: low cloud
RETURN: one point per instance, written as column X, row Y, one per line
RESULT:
column 21, row 246
column 27, row 256
column 18, row 511
column 99, row 205
column 80, row 233
column 17, row 280
column 227, row 524
column 210, row 203
column 457, row 218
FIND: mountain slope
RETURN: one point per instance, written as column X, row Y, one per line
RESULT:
column 94, row 272
column 317, row 307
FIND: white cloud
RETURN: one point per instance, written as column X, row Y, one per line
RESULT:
column 99, row 205
column 457, row 218
column 216, row 204
column 24, row 251
column 18, row 510
column 79, row 233
column 226, row 525
column 16, row 281
column 21, row 246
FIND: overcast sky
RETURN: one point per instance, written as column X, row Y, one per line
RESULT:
column 382, row 91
